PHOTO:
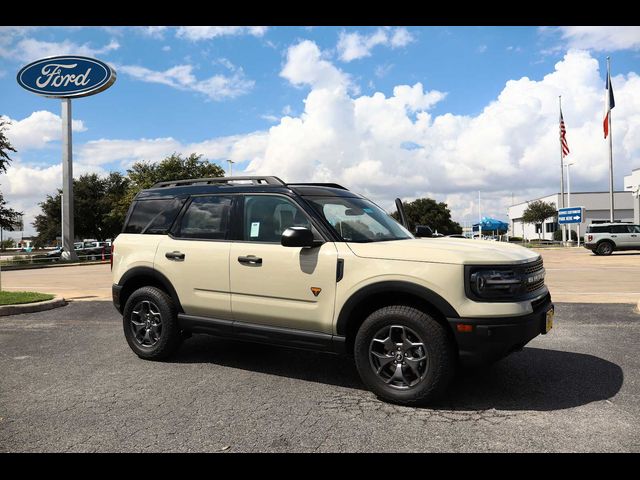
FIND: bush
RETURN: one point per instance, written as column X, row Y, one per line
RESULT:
column 515, row 239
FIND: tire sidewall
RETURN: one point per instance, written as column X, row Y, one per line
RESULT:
column 170, row 334
column 603, row 244
column 439, row 353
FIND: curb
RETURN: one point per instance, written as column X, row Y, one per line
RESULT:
column 32, row 307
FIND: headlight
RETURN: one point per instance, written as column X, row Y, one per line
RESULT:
column 511, row 283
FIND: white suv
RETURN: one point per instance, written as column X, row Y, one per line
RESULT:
column 316, row 266
column 604, row 238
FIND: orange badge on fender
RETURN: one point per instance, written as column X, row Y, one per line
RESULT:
column 316, row 291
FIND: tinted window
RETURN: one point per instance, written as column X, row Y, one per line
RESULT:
column 206, row 217
column 598, row 229
column 267, row 216
column 620, row 229
column 153, row 216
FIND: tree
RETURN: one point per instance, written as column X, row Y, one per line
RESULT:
column 537, row 212
column 8, row 216
column 101, row 203
column 426, row 211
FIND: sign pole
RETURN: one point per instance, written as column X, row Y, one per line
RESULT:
column 68, row 237
column 564, row 230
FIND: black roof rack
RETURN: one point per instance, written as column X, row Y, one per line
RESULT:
column 252, row 180
column 332, row 185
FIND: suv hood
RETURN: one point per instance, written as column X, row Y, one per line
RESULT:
column 441, row 250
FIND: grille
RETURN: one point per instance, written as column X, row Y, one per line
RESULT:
column 533, row 266
column 535, row 286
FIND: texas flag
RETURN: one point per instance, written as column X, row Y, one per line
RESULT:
column 609, row 103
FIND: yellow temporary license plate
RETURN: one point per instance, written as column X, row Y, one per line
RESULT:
column 549, row 321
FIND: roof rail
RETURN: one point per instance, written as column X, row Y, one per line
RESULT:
column 332, row 185
column 253, row 180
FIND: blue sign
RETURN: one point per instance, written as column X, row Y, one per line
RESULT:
column 570, row 215
column 67, row 76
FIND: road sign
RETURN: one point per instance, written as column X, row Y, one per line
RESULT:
column 570, row 215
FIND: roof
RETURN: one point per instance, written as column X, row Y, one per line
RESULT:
column 566, row 194
column 243, row 184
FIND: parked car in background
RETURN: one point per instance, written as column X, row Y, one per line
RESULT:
column 605, row 238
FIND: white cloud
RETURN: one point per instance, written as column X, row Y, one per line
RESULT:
column 37, row 130
column 29, row 49
column 195, row 33
column 602, row 38
column 305, row 66
column 217, row 87
column 352, row 46
column 392, row 145
column 481, row 48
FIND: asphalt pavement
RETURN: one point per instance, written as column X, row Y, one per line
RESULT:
column 70, row 383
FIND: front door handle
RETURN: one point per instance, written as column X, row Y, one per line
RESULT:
column 174, row 255
column 250, row 260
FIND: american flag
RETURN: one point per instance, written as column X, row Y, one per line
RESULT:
column 563, row 137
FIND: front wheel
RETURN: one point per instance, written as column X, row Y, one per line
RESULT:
column 404, row 355
column 150, row 324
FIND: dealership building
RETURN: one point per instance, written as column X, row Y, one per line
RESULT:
column 596, row 209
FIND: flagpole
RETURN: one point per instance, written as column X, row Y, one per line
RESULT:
column 611, row 210
column 564, row 231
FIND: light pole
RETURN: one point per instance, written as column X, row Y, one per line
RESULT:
column 230, row 162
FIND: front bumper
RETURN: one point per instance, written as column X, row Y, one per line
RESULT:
column 492, row 339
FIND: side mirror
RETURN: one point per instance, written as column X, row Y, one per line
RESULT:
column 423, row 231
column 298, row 237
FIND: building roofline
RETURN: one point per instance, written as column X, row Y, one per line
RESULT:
column 572, row 193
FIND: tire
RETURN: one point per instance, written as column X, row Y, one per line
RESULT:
column 424, row 375
column 605, row 248
column 154, row 336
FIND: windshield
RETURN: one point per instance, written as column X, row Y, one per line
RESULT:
column 358, row 220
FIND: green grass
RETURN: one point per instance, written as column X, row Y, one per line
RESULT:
column 13, row 298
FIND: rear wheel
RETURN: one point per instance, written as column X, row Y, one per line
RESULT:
column 404, row 355
column 150, row 324
column 605, row 248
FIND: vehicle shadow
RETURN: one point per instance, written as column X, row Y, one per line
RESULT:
column 534, row 379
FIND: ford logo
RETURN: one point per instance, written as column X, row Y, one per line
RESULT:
column 67, row 76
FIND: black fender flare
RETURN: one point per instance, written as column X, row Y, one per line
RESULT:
column 419, row 291
column 137, row 272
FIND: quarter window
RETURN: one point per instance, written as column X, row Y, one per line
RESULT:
column 206, row 218
column 153, row 216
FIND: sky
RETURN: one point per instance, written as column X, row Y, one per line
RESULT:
column 440, row 112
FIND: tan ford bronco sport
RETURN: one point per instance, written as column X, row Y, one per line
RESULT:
column 315, row 266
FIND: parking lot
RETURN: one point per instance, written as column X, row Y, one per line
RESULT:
column 71, row 383
column 573, row 275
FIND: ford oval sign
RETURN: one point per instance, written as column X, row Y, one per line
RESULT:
column 67, row 76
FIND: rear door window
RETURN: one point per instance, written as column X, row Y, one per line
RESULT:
column 206, row 217
column 599, row 229
column 620, row 229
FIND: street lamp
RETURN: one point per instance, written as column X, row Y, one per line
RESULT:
column 230, row 162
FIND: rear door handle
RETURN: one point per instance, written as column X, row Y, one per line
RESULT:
column 174, row 255
column 250, row 260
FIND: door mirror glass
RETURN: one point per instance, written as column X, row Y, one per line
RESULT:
column 297, row 237
column 423, row 231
